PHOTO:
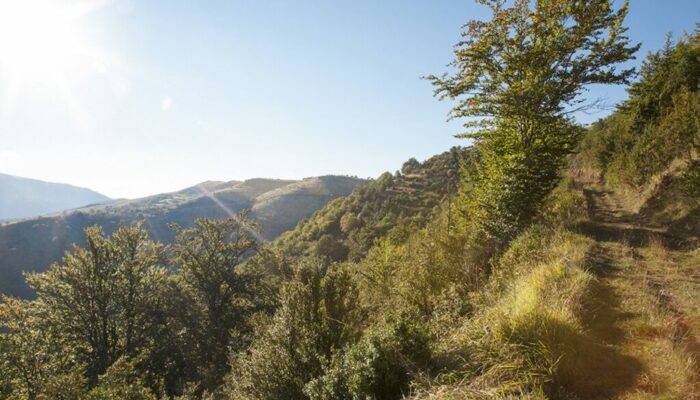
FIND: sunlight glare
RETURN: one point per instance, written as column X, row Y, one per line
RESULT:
column 39, row 39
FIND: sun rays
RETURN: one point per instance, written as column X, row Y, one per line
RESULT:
column 231, row 214
column 43, row 47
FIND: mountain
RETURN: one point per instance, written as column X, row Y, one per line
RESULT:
column 346, row 228
column 25, row 198
column 278, row 205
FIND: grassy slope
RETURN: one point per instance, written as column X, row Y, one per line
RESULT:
column 595, row 301
column 598, row 303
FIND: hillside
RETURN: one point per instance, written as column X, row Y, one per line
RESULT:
column 547, row 261
column 33, row 244
column 599, row 298
column 595, row 297
column 25, row 198
column 347, row 227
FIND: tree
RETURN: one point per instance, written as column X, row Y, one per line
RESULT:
column 102, row 301
column 657, row 124
column 215, row 297
column 331, row 249
column 518, row 79
column 34, row 361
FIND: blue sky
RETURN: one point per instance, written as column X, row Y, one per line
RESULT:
column 154, row 96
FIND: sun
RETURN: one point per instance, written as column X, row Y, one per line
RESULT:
column 41, row 40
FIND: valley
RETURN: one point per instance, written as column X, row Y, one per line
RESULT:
column 32, row 245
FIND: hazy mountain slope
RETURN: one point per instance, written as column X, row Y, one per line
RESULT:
column 32, row 245
column 24, row 198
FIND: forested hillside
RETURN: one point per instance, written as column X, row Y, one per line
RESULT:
column 546, row 261
column 348, row 226
column 648, row 150
column 34, row 244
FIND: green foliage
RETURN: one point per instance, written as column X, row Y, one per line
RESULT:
column 418, row 272
column 121, row 381
column 113, row 322
column 380, row 366
column 517, row 77
column 330, row 249
column 317, row 317
column 691, row 181
column 660, row 121
column 35, row 362
column 103, row 299
column 214, row 298
column 347, row 227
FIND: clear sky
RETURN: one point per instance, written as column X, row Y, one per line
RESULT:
column 132, row 98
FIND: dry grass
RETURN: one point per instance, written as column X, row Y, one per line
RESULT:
column 645, row 283
column 533, row 341
column 574, row 316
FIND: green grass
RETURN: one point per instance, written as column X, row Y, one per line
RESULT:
column 566, row 316
column 520, row 342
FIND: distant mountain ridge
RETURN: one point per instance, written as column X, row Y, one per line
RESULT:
column 278, row 205
column 26, row 198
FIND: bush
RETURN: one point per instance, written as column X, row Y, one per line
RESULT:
column 318, row 316
column 523, row 338
column 380, row 366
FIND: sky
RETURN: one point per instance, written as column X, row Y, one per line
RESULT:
column 133, row 98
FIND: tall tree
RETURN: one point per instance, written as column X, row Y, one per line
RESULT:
column 517, row 80
column 216, row 297
column 102, row 300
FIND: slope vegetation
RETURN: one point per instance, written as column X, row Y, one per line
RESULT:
column 33, row 244
column 347, row 227
column 599, row 298
column 596, row 298
column 478, row 274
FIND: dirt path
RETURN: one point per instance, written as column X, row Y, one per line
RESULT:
column 650, row 301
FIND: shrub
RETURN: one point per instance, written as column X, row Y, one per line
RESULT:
column 380, row 366
column 317, row 317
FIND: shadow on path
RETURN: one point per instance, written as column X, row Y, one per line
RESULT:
column 608, row 223
column 613, row 228
column 602, row 372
